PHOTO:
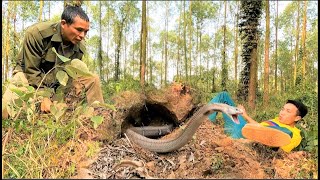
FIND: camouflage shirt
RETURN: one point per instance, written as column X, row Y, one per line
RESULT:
column 36, row 57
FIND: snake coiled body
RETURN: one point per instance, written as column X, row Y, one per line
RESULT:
column 152, row 131
column 185, row 132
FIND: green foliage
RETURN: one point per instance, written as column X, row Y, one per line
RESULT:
column 58, row 109
column 93, row 149
column 309, row 124
column 62, row 77
column 111, row 87
column 62, row 58
column 97, row 120
column 75, row 69
column 29, row 152
column 217, row 162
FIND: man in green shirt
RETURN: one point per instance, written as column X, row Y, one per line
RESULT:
column 36, row 60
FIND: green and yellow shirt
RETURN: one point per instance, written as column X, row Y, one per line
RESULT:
column 292, row 131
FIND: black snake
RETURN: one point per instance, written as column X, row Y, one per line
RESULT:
column 185, row 132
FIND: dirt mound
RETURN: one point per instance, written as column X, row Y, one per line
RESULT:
column 210, row 154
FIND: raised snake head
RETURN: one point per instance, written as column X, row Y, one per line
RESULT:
column 230, row 111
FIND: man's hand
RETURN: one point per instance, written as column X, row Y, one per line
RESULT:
column 245, row 115
column 45, row 105
column 240, row 106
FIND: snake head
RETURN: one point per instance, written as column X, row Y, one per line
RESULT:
column 230, row 111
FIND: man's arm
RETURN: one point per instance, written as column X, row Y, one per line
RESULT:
column 30, row 59
column 246, row 116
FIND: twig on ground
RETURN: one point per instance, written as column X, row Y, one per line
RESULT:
column 4, row 142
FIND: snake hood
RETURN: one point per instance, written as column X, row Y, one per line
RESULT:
column 230, row 111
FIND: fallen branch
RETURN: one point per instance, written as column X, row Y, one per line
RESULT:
column 4, row 142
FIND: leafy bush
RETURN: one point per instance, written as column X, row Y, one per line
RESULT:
column 112, row 87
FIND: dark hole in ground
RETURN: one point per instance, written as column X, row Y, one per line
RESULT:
column 149, row 115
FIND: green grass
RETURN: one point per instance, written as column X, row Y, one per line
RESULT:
column 46, row 145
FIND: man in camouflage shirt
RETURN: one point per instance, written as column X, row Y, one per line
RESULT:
column 36, row 60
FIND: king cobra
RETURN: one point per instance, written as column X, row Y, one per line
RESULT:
column 186, row 132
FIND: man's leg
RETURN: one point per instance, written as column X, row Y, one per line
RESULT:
column 92, row 87
column 230, row 128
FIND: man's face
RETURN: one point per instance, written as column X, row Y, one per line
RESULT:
column 288, row 114
column 76, row 31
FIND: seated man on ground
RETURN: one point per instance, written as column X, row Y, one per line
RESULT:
column 291, row 112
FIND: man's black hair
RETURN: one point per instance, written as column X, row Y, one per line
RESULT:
column 302, row 109
column 70, row 12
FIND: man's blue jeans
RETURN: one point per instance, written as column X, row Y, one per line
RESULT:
column 230, row 128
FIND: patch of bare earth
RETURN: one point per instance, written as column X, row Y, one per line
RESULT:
column 210, row 154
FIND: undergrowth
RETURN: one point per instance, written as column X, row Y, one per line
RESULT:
column 39, row 145
column 46, row 147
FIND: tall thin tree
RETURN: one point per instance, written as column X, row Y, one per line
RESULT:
column 303, row 39
column 190, row 37
column 224, row 72
column 276, row 51
column 185, row 40
column 266, row 58
column 166, row 43
column 100, row 44
column 40, row 10
column 236, row 49
column 296, row 54
column 7, row 53
column 143, row 48
column 178, row 71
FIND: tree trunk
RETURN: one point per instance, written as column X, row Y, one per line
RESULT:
column 40, row 11
column 197, row 48
column 120, row 27
column 253, row 79
column 224, row 72
column 3, row 48
column 49, row 13
column 6, row 74
column 72, row 3
column 214, row 89
column 117, row 56
column 161, row 65
column 15, row 41
column 133, row 53
column 296, row 56
column 108, row 37
column 250, row 15
column 236, row 50
column 166, row 44
column 304, row 52
column 190, row 39
column 178, row 58
column 266, row 58
column 149, row 47
column 143, row 48
column 125, row 54
column 276, row 54
column 100, row 45
column 185, row 41
column 200, row 50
